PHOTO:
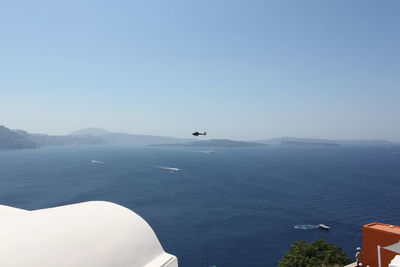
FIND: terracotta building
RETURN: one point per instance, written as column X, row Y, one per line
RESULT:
column 381, row 243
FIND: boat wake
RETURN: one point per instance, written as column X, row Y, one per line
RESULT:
column 167, row 168
column 305, row 226
column 97, row 162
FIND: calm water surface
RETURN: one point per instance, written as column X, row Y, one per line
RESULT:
column 234, row 207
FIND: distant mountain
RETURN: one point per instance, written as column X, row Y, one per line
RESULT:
column 60, row 140
column 218, row 143
column 93, row 131
column 128, row 139
column 12, row 140
column 302, row 143
column 319, row 141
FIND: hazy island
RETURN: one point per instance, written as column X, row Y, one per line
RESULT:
column 60, row 140
column 295, row 141
column 20, row 139
column 218, row 143
column 303, row 143
column 113, row 138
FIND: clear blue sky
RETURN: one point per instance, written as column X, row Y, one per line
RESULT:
column 237, row 69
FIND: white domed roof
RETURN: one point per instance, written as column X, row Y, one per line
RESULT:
column 98, row 234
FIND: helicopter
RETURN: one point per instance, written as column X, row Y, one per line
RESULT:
column 197, row 133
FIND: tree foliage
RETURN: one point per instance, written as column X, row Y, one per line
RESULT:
column 317, row 254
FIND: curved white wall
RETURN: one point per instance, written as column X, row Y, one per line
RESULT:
column 98, row 234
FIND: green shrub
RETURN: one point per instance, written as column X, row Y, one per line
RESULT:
column 316, row 254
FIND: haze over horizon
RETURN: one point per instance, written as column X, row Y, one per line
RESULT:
column 236, row 69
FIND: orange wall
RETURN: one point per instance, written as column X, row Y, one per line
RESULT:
column 375, row 234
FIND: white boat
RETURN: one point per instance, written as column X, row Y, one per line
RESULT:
column 323, row 226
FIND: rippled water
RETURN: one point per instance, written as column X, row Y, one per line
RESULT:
column 232, row 207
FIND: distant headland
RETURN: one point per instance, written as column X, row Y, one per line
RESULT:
column 12, row 140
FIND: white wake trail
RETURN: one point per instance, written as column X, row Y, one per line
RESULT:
column 305, row 226
column 167, row 168
column 98, row 162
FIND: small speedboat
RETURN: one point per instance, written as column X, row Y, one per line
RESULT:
column 323, row 226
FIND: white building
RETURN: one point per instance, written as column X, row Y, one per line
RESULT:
column 90, row 234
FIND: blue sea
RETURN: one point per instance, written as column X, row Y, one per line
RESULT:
column 234, row 207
